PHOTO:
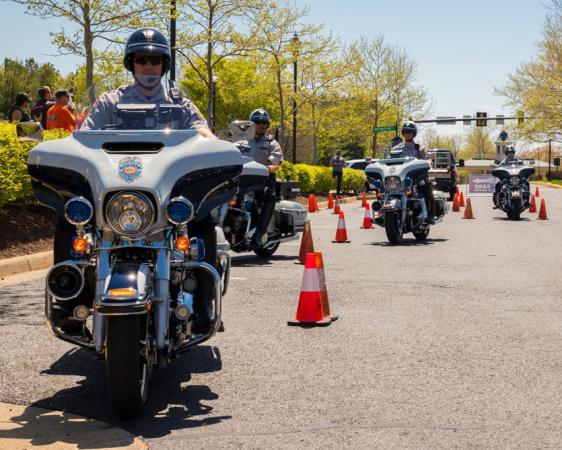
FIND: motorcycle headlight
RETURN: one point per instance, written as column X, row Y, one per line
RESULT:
column 129, row 213
column 78, row 211
column 378, row 184
column 180, row 210
column 514, row 180
column 408, row 182
column 393, row 184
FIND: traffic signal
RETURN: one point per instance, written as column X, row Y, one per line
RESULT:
column 483, row 122
column 520, row 119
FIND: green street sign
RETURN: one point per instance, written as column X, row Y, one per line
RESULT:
column 389, row 128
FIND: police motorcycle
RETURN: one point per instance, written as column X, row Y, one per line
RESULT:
column 132, row 194
column 239, row 217
column 513, row 192
column 400, row 206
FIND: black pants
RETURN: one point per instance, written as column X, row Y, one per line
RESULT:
column 427, row 191
column 339, row 176
column 267, row 198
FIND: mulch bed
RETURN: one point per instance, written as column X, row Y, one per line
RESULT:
column 25, row 228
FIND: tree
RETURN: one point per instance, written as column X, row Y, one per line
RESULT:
column 25, row 76
column 432, row 139
column 478, row 143
column 96, row 20
column 536, row 86
column 213, row 30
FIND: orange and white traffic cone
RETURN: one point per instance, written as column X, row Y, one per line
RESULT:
column 537, row 193
column 323, row 287
column 337, row 208
column 312, row 203
column 468, row 211
column 461, row 200
column 367, row 222
column 533, row 206
column 456, row 207
column 341, row 233
column 307, row 244
column 363, row 200
column 311, row 309
column 457, row 190
column 330, row 201
column 542, row 211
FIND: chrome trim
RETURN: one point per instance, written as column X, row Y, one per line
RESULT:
column 224, row 258
column 70, row 263
column 103, row 269
column 184, row 200
column 161, row 298
column 82, row 200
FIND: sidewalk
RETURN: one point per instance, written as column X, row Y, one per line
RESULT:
column 22, row 428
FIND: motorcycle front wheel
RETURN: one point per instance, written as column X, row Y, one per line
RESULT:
column 393, row 228
column 126, row 368
column 516, row 209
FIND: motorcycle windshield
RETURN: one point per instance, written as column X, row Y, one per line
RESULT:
column 134, row 108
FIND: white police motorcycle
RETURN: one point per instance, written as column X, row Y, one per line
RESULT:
column 513, row 192
column 400, row 206
column 132, row 196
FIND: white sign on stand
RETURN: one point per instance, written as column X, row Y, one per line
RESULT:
column 481, row 184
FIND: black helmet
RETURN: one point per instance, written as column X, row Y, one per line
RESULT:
column 259, row 115
column 509, row 149
column 147, row 40
column 410, row 127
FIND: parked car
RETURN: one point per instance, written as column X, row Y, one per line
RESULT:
column 358, row 164
column 443, row 172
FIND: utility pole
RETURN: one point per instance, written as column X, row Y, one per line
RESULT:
column 173, row 39
column 296, row 43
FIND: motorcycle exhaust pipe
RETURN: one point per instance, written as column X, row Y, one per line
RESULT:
column 65, row 281
column 376, row 205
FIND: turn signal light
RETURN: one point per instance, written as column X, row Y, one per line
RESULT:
column 80, row 244
column 122, row 292
column 232, row 202
column 182, row 243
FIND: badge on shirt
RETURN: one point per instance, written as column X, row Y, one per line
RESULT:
column 130, row 169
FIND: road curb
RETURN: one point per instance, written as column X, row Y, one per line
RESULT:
column 23, row 427
column 26, row 263
column 546, row 183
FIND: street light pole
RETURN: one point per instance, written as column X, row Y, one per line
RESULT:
column 295, row 67
column 173, row 39
column 214, row 79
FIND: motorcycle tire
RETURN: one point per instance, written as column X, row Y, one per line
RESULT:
column 516, row 212
column 393, row 229
column 268, row 251
column 421, row 235
column 126, row 368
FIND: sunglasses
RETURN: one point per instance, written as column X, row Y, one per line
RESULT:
column 153, row 60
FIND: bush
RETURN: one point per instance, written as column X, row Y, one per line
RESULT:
column 14, row 179
column 318, row 179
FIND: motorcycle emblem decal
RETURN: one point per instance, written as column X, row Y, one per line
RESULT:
column 392, row 169
column 130, row 169
column 149, row 35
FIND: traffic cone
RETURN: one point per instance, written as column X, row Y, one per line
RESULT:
column 533, row 206
column 311, row 305
column 307, row 244
column 542, row 211
column 367, row 222
column 468, row 210
column 323, row 288
column 457, row 190
column 461, row 200
column 363, row 200
column 330, row 201
column 312, row 203
column 337, row 208
column 456, row 207
column 341, row 233
column 537, row 193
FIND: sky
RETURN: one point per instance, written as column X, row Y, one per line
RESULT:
column 463, row 47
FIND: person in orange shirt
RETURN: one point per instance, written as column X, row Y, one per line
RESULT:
column 58, row 116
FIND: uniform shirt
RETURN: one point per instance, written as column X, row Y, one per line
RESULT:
column 262, row 148
column 104, row 111
column 337, row 163
column 405, row 150
column 60, row 117
column 507, row 161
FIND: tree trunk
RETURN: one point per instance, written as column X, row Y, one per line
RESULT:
column 210, row 96
column 281, row 103
column 88, row 47
column 314, row 136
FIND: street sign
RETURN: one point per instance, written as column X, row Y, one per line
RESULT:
column 388, row 128
column 499, row 119
column 442, row 120
column 467, row 120
column 481, row 184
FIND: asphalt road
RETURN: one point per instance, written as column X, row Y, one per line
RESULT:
column 451, row 343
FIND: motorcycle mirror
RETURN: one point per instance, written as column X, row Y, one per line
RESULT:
column 29, row 131
column 461, row 162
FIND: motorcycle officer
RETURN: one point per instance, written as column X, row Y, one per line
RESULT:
column 509, row 152
column 147, row 56
column 409, row 148
column 267, row 151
